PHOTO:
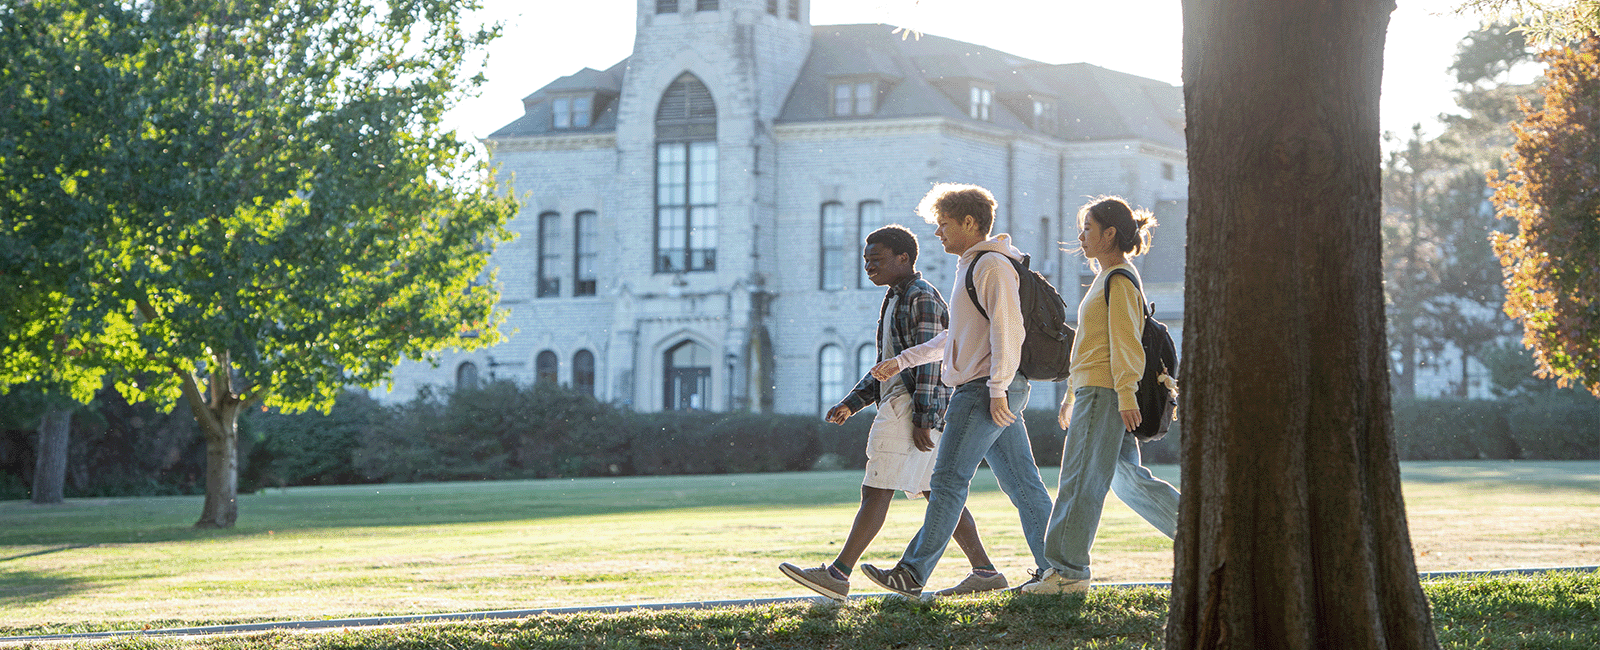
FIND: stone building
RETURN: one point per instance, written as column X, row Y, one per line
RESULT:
column 692, row 217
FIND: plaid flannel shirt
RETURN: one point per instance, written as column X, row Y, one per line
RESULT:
column 919, row 315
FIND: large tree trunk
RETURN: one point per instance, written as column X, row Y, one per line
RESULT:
column 50, row 466
column 217, row 412
column 1292, row 531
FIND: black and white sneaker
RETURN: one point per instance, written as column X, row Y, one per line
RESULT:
column 898, row 579
column 1033, row 578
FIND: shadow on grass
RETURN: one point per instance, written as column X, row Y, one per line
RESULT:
column 1124, row 619
column 44, row 552
column 19, row 588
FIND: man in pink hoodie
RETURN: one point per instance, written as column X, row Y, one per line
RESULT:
column 984, row 419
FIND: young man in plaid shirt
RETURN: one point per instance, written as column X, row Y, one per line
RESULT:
column 911, row 407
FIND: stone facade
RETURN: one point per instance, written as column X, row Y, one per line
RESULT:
column 760, row 330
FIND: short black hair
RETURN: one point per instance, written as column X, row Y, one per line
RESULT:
column 896, row 238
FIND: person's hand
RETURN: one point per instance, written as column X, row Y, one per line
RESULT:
column 838, row 414
column 1064, row 416
column 1000, row 411
column 885, row 370
column 922, row 438
column 1131, row 419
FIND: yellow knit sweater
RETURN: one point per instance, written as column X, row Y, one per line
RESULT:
column 1106, row 351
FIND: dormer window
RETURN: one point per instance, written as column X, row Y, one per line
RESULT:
column 855, row 98
column 1044, row 114
column 572, row 111
column 982, row 105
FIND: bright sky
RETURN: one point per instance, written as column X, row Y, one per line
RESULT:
column 545, row 40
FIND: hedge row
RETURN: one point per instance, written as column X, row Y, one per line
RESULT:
column 507, row 431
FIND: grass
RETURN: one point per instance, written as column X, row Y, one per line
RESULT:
column 337, row 552
column 1558, row 611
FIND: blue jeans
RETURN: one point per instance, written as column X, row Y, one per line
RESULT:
column 1100, row 454
column 970, row 435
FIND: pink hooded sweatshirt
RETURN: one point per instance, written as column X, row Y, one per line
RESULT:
column 974, row 347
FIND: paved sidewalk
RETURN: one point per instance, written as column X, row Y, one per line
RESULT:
column 341, row 623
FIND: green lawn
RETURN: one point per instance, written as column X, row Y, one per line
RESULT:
column 309, row 553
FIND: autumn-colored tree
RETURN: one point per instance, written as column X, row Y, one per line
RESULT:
column 1552, row 263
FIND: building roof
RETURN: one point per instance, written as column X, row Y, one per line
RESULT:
column 929, row 76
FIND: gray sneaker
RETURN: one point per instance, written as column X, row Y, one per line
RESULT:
column 819, row 579
column 973, row 584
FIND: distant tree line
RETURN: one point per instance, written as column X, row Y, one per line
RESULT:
column 505, row 430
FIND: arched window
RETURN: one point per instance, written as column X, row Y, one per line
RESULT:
column 545, row 367
column 549, row 255
column 466, row 376
column 586, row 252
column 686, row 178
column 869, row 218
column 834, row 238
column 583, row 372
column 688, row 377
column 830, row 377
column 866, row 358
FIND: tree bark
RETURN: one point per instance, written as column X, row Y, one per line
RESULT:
column 50, row 466
column 217, row 413
column 1292, row 530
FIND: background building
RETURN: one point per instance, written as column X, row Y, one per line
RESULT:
column 692, row 217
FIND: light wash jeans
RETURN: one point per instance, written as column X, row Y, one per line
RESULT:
column 1100, row 454
column 970, row 435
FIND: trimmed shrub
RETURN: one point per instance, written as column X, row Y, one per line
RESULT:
column 309, row 448
column 1562, row 425
column 1452, row 429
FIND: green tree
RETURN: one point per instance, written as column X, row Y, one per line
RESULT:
column 65, row 63
column 299, row 220
column 1441, row 278
column 1552, row 263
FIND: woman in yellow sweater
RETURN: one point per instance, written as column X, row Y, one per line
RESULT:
column 1099, row 411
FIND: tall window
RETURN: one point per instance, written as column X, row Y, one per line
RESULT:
column 982, row 101
column 666, row 6
column 831, row 377
column 869, row 218
column 855, row 98
column 794, row 9
column 571, row 112
column 834, row 240
column 583, row 372
column 466, row 376
column 686, row 178
column 772, row 7
column 545, row 367
column 585, row 253
column 688, row 377
column 549, row 255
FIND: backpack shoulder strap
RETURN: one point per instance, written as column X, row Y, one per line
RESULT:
column 1107, row 292
column 972, row 289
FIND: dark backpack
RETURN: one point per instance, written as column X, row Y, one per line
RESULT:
column 1047, row 347
column 1158, row 404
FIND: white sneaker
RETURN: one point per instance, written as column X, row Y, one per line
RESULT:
column 974, row 584
column 1051, row 581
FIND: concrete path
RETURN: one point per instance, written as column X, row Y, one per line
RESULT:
column 342, row 623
